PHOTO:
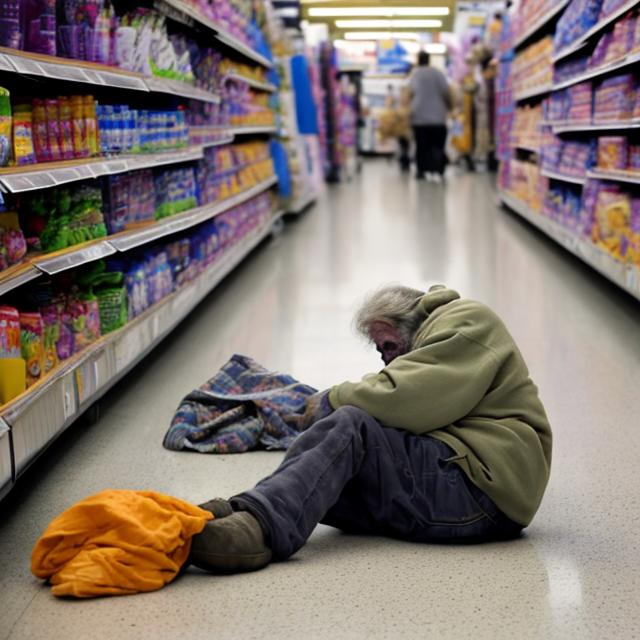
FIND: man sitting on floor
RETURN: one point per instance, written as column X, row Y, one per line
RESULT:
column 449, row 442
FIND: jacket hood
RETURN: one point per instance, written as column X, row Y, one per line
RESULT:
column 438, row 296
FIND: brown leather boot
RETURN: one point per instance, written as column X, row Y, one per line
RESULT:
column 232, row 544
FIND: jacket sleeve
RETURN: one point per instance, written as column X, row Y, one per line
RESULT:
column 426, row 389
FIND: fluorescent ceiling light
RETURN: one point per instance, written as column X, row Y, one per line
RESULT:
column 380, row 35
column 384, row 12
column 388, row 24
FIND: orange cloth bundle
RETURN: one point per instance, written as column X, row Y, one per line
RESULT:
column 117, row 542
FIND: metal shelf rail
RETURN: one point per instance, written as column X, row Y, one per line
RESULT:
column 626, row 276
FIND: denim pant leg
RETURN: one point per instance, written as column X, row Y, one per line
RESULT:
column 349, row 471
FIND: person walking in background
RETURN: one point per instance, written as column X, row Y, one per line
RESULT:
column 430, row 104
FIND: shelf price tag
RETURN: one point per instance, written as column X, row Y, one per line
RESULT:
column 76, row 258
column 122, row 81
column 64, row 72
column 5, row 64
column 25, row 65
column 27, row 181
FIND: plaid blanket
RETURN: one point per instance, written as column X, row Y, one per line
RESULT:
column 242, row 407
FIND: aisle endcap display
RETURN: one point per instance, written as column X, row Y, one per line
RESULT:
column 581, row 42
column 300, row 205
column 220, row 33
column 625, row 276
column 67, row 70
column 540, row 23
column 45, row 410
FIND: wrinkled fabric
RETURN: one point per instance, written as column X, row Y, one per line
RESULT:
column 244, row 406
column 117, row 542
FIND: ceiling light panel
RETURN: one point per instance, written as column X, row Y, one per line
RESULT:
column 380, row 35
column 388, row 24
column 374, row 12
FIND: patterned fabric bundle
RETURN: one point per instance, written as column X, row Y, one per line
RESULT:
column 242, row 407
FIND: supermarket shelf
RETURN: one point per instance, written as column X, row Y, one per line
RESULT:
column 184, row 10
column 595, row 30
column 16, row 276
column 533, row 93
column 554, row 175
column 78, row 255
column 69, row 259
column 628, row 60
column 242, row 131
column 52, row 67
column 300, row 205
column 540, row 23
column 615, row 175
column 625, row 276
column 51, row 174
column 256, row 84
column 40, row 414
column 136, row 238
column 569, row 127
column 228, row 139
column 180, row 89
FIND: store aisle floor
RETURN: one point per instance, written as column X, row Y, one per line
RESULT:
column 573, row 575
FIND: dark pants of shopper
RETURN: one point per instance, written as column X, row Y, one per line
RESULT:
column 430, row 144
column 404, row 158
column 350, row 472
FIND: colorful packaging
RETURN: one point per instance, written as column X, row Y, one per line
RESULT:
column 51, row 321
column 40, row 132
column 23, row 150
column 12, row 365
column 13, row 245
column 65, row 128
column 90, row 125
column 53, row 128
column 612, row 152
column 6, row 122
column 32, row 345
column 79, row 127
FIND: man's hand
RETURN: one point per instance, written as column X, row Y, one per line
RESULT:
column 317, row 407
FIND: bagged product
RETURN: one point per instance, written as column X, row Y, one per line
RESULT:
column 32, row 345
column 23, row 150
column 12, row 366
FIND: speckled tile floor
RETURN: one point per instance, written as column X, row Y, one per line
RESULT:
column 574, row 575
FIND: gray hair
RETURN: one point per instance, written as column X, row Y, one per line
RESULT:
column 395, row 304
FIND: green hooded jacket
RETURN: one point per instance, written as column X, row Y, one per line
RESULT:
column 465, row 383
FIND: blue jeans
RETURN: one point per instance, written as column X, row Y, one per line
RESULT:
column 350, row 472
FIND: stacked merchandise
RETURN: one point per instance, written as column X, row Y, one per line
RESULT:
column 299, row 133
column 532, row 68
column 119, row 238
column 592, row 193
column 136, row 41
column 48, row 324
column 527, row 128
column 45, row 221
column 77, row 126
